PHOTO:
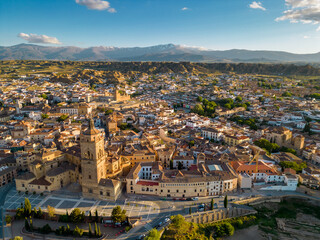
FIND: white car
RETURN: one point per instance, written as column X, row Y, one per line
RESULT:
column 166, row 220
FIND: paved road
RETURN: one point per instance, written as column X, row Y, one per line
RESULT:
column 169, row 207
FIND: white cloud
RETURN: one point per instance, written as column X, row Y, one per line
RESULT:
column 96, row 5
column 34, row 38
column 184, row 8
column 306, row 37
column 303, row 11
column 257, row 5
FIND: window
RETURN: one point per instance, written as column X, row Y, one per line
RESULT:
column 101, row 193
column 90, row 190
column 89, row 176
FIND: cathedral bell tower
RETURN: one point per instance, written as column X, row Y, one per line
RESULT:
column 93, row 159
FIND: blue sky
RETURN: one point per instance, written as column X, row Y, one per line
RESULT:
column 287, row 25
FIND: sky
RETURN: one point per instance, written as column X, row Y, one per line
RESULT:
column 282, row 25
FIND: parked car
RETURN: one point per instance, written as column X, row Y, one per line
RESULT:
column 141, row 237
column 166, row 220
column 195, row 199
column 159, row 225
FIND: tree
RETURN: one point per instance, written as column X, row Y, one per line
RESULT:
column 261, row 99
column 99, row 231
column 8, row 219
column 229, row 229
column 225, row 201
column 62, row 118
column 154, row 234
column 77, row 216
column 199, row 99
column 90, row 230
column 44, row 116
column 109, row 111
column 90, row 216
column 118, row 215
column 228, row 105
column 238, row 99
column 78, row 232
column 178, row 221
column 51, row 211
column 212, row 204
column 26, row 224
column 18, row 238
column 27, row 207
column 95, row 229
column 96, row 216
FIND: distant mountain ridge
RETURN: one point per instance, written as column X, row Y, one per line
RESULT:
column 166, row 52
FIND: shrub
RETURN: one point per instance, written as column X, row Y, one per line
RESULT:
column 46, row 229
column 8, row 219
column 78, row 232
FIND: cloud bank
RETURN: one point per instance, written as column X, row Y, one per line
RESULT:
column 96, row 5
column 34, row 38
column 303, row 11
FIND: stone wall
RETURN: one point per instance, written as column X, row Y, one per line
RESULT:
column 218, row 215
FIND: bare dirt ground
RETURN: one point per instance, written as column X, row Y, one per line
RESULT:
column 246, row 234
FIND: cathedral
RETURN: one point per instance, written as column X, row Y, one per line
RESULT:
column 87, row 164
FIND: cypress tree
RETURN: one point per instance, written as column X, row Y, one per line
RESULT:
column 27, row 207
column 97, row 217
column 212, row 204
column 26, row 224
column 95, row 229
column 225, row 202
column 90, row 231
column 99, row 232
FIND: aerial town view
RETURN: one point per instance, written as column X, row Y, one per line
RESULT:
column 114, row 125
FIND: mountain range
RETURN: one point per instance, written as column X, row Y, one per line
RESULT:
column 158, row 53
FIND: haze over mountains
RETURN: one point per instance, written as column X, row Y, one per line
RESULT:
column 168, row 52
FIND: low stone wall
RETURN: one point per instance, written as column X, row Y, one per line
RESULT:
column 218, row 215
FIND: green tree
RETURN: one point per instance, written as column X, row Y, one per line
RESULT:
column 27, row 207
column 212, row 204
column 178, row 221
column 180, row 165
column 99, row 231
column 8, row 219
column 18, row 238
column 109, row 111
column 118, row 215
column 238, row 99
column 62, row 117
column 51, row 211
column 77, row 232
column 229, row 229
column 225, row 201
column 154, row 234
column 77, row 216
column 199, row 99
column 44, row 116
column 96, row 218
column 95, row 230
column 26, row 224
